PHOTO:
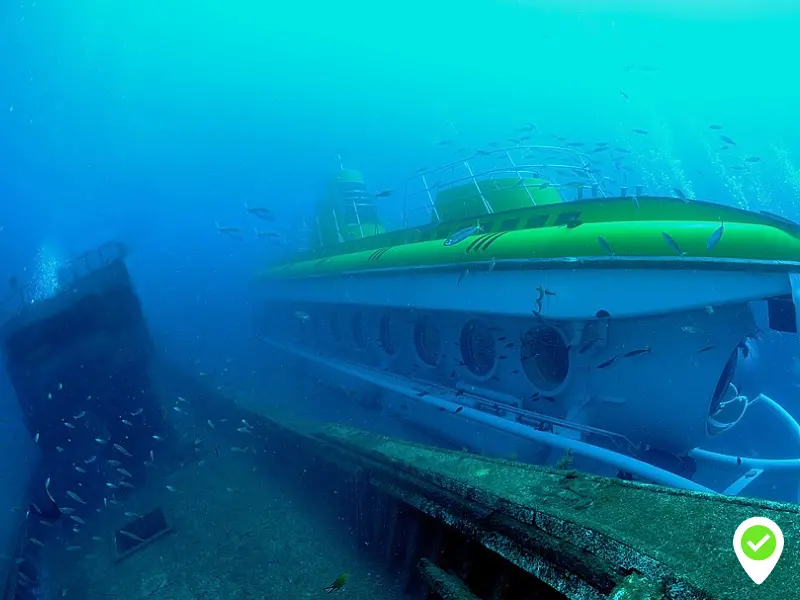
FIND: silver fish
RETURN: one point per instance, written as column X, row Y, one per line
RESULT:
column 137, row 412
column 462, row 234
column 80, row 415
column 130, row 535
column 672, row 244
column 122, row 450
column 80, row 469
column 77, row 520
column 605, row 245
column 75, row 497
column 69, row 425
column 124, row 472
column 715, row 237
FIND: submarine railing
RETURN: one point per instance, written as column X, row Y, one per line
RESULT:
column 616, row 459
column 514, row 169
column 752, row 467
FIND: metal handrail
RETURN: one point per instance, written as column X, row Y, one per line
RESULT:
column 22, row 297
column 520, row 164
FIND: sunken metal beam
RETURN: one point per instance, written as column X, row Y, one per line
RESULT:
column 587, row 537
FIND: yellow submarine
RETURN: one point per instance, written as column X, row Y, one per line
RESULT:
column 519, row 308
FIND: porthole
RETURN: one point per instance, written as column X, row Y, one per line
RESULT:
column 333, row 326
column 386, row 335
column 359, row 334
column 545, row 357
column 428, row 340
column 478, row 349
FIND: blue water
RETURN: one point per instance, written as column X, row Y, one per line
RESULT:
column 149, row 122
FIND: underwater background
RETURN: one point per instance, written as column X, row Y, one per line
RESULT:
column 151, row 122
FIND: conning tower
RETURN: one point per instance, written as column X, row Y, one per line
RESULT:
column 346, row 211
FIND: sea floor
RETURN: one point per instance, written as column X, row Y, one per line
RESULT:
column 239, row 532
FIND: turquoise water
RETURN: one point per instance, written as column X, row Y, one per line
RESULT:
column 154, row 122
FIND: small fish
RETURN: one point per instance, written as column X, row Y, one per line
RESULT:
column 462, row 276
column 137, row 412
column 232, row 232
column 80, row 415
column 111, row 485
column 133, row 515
column 114, row 463
column 715, row 237
column 100, row 441
column 244, row 430
column 679, row 193
column 36, row 542
column 97, row 538
column 640, row 131
column 75, row 497
column 36, row 438
column 59, row 449
column 260, row 212
column 210, row 424
column 72, row 548
column 672, row 244
column 302, row 316
column 170, row 488
column 706, row 349
column 462, row 234
column 126, row 422
column 127, row 485
column 458, row 410
column 77, row 520
column 716, row 127
column 69, row 425
column 158, row 438
column 337, row 584
column 727, row 140
column 607, row 363
column 624, row 95
column 152, row 457
column 752, row 159
column 130, row 535
column 80, row 469
column 90, row 460
column 605, row 245
column 122, row 450
column 645, row 350
column 384, row 194
column 124, row 472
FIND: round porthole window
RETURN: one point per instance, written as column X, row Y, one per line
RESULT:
column 428, row 340
column 478, row 348
column 359, row 334
column 387, row 336
column 545, row 357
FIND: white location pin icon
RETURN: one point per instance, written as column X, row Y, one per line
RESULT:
column 758, row 543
